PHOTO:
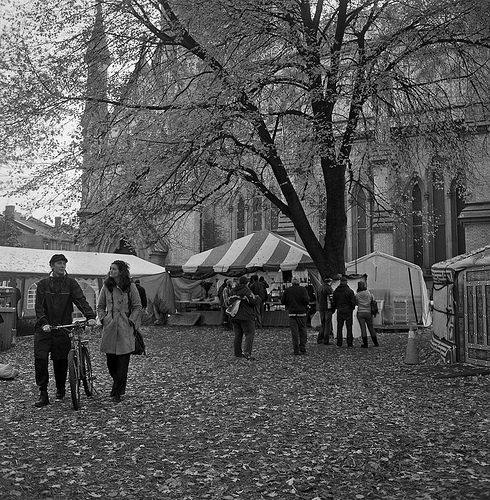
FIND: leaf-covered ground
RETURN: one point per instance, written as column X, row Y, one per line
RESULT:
column 197, row 423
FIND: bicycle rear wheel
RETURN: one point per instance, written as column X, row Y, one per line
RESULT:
column 87, row 376
column 74, row 379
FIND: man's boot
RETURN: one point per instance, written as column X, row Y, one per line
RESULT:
column 375, row 340
column 364, row 342
column 43, row 400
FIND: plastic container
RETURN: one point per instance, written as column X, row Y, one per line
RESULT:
column 378, row 320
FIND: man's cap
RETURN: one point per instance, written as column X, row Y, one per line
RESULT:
column 137, row 282
column 295, row 280
column 343, row 279
column 243, row 280
column 56, row 257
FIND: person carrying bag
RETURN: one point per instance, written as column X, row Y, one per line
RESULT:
column 365, row 313
column 119, row 310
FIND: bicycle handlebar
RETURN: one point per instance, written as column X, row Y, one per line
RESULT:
column 72, row 325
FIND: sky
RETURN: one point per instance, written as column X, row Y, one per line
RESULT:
column 25, row 205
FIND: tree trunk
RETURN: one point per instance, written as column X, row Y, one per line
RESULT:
column 336, row 218
column 310, row 241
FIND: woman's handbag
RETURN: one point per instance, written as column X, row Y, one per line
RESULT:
column 139, row 343
column 233, row 308
column 374, row 307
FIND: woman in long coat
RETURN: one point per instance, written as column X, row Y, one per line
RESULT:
column 119, row 310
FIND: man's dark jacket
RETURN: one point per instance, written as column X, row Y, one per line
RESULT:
column 247, row 300
column 296, row 299
column 55, row 298
column 325, row 291
column 344, row 300
column 259, row 289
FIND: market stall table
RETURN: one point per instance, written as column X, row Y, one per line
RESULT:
column 200, row 305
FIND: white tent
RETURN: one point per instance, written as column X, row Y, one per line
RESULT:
column 26, row 266
column 28, row 261
column 399, row 287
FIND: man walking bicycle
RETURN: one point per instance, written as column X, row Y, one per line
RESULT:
column 55, row 297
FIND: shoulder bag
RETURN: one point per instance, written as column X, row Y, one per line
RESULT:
column 139, row 343
column 232, row 309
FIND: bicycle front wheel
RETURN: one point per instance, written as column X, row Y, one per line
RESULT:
column 87, row 376
column 74, row 379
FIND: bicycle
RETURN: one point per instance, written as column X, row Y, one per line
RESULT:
column 79, row 363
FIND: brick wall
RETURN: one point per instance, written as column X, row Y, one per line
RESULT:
column 477, row 236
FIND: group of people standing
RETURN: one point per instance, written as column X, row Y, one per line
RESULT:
column 344, row 301
column 297, row 301
column 119, row 310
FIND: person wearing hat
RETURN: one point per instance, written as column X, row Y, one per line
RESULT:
column 243, row 322
column 325, row 296
column 344, row 301
column 55, row 297
column 296, row 299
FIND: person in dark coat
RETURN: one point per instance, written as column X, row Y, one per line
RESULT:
column 258, row 288
column 142, row 292
column 325, row 296
column 312, row 308
column 55, row 297
column 267, row 298
column 244, row 321
column 344, row 301
column 18, row 297
column 296, row 299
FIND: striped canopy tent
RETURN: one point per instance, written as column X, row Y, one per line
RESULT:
column 262, row 250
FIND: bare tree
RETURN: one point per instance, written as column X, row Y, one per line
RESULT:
column 189, row 100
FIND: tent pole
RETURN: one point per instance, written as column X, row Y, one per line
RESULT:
column 413, row 298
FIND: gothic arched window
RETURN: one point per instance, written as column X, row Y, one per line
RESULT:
column 360, row 226
column 439, row 212
column 257, row 214
column 240, row 218
column 457, row 205
column 417, row 226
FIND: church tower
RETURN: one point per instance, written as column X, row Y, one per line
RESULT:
column 95, row 123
